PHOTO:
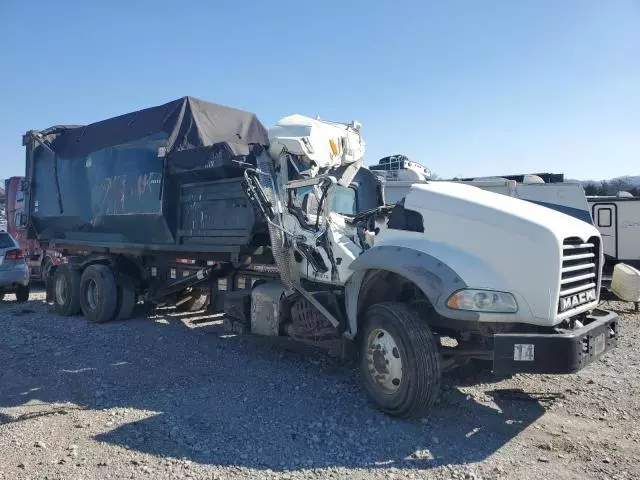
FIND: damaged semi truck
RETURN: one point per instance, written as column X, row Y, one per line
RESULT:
column 287, row 232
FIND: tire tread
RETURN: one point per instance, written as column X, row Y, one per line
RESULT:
column 126, row 302
column 72, row 307
column 420, row 344
column 109, row 291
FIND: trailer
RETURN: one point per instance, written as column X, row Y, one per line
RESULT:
column 155, row 195
column 618, row 219
column 545, row 189
column 286, row 231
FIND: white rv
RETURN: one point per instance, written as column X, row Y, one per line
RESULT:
column 618, row 219
column 399, row 173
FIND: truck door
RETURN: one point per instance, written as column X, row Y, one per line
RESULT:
column 605, row 217
column 342, row 207
column 305, row 220
column 320, row 221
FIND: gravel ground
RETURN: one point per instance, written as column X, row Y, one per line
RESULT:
column 170, row 396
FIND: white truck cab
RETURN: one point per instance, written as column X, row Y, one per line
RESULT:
column 511, row 281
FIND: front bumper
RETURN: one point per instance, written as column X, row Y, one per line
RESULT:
column 12, row 279
column 556, row 353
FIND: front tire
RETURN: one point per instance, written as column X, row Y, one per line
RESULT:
column 99, row 293
column 66, row 291
column 399, row 360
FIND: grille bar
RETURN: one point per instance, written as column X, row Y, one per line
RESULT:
column 577, row 278
column 581, row 288
column 575, row 268
column 578, row 246
column 579, row 256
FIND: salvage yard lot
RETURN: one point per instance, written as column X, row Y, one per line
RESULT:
column 171, row 396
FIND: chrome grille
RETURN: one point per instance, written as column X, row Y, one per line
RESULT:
column 580, row 267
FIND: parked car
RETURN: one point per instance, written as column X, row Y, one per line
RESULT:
column 14, row 272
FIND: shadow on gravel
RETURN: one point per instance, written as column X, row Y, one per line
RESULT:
column 34, row 415
column 240, row 401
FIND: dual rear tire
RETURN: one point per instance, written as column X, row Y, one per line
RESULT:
column 95, row 293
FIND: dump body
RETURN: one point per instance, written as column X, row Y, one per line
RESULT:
column 163, row 178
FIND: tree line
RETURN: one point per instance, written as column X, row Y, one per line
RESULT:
column 611, row 187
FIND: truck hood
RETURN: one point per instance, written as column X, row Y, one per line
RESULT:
column 496, row 242
column 473, row 203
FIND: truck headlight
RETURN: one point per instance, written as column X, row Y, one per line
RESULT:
column 483, row 301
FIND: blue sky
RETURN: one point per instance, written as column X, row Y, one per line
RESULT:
column 464, row 87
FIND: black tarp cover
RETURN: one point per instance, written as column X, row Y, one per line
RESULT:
column 187, row 123
column 114, row 177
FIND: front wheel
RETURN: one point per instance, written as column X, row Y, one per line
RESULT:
column 399, row 360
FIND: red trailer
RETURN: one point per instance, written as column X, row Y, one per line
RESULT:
column 40, row 257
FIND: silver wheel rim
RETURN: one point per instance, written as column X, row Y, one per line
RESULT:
column 61, row 291
column 384, row 362
column 91, row 294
